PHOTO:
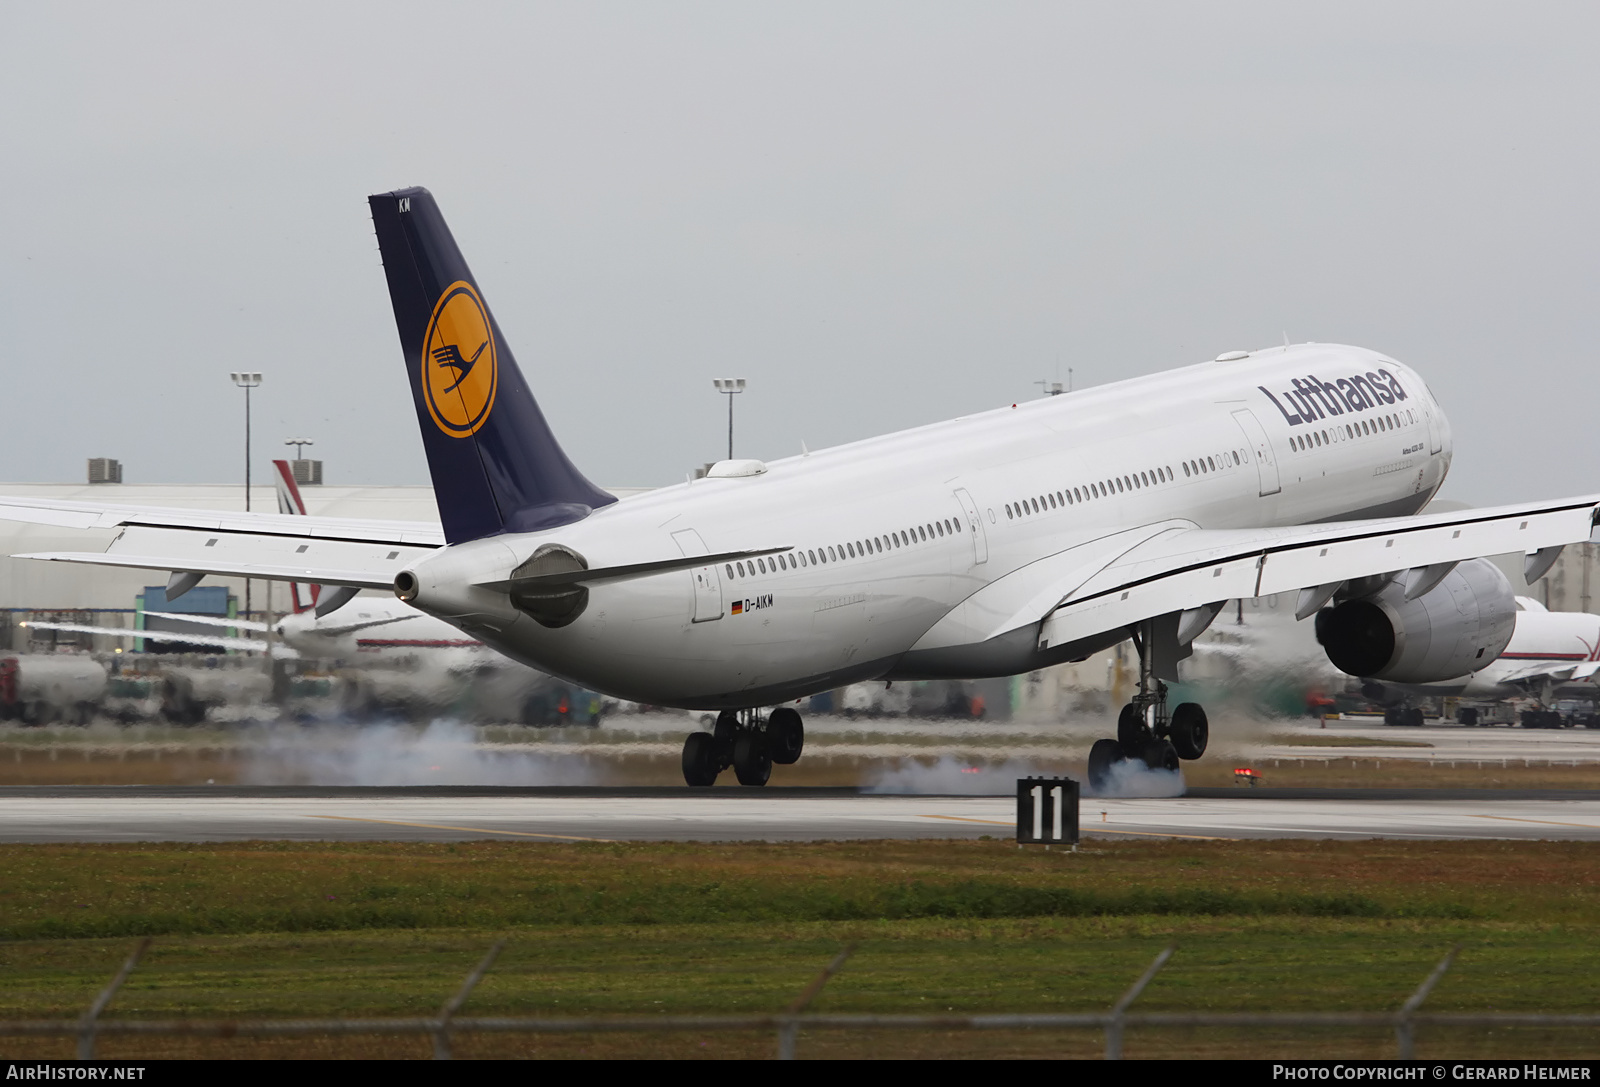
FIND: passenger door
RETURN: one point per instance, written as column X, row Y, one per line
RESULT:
column 1256, row 435
column 980, row 542
column 707, row 582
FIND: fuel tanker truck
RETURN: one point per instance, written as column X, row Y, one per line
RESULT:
column 38, row 688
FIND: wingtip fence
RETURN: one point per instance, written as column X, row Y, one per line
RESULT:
column 787, row 1025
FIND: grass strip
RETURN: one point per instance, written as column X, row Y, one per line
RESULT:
column 85, row 891
column 294, row 929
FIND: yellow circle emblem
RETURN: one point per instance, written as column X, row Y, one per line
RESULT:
column 459, row 368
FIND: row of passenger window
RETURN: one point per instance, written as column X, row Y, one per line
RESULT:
column 1361, row 428
column 826, row 553
column 1072, row 496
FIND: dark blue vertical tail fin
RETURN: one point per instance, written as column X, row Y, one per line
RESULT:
column 495, row 464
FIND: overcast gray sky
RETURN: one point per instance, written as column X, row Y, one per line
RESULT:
column 879, row 214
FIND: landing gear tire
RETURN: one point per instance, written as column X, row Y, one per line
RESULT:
column 1160, row 755
column 1103, row 758
column 700, row 762
column 786, row 736
column 1132, row 731
column 1189, row 731
column 752, row 763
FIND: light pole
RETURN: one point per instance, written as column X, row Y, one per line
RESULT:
column 729, row 387
column 299, row 446
column 246, row 382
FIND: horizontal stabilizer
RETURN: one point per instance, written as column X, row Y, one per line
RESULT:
column 364, row 579
column 625, row 573
column 64, row 513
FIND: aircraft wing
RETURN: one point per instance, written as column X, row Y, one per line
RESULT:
column 211, row 620
column 1176, row 568
column 216, row 641
column 351, row 628
column 1560, row 671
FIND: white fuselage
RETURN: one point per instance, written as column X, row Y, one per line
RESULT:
column 893, row 533
column 382, row 624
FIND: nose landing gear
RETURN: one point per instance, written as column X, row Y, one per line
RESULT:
column 747, row 741
column 1146, row 732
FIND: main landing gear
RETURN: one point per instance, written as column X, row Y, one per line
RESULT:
column 1146, row 732
column 746, row 741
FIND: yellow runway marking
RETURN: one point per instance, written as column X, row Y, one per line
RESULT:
column 1546, row 822
column 474, row 830
column 1098, row 828
column 1101, row 828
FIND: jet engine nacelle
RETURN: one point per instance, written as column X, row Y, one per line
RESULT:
column 1457, row 627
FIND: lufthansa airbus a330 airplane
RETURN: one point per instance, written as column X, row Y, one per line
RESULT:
column 988, row 545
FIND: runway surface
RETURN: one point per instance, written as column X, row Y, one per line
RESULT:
column 1440, row 741
column 138, row 814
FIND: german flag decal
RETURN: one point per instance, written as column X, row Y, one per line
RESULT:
column 738, row 607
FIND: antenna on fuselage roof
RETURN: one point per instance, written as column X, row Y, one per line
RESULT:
column 1286, row 341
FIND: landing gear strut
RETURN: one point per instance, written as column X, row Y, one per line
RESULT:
column 1146, row 732
column 747, row 741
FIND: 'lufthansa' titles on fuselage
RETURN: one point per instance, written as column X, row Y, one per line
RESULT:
column 1314, row 399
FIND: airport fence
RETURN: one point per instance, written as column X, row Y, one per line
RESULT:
column 786, row 1025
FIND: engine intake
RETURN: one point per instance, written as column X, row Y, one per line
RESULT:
column 1459, row 626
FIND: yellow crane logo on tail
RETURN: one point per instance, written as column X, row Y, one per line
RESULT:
column 460, row 371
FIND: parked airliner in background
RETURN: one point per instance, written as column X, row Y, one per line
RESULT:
column 312, row 628
column 988, row 545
